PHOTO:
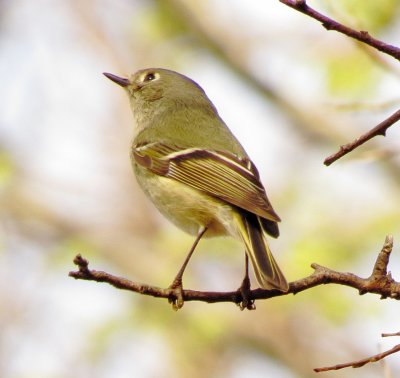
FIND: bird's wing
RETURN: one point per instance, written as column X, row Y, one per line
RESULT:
column 219, row 174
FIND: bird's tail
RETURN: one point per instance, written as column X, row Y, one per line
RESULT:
column 267, row 271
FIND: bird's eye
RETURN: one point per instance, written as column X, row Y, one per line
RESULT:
column 149, row 77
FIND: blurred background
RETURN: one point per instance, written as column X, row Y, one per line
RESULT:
column 289, row 90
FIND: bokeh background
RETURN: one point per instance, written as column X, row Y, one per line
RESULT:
column 290, row 91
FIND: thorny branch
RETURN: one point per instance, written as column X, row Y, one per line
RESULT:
column 380, row 282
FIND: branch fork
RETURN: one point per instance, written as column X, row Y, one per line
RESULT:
column 380, row 282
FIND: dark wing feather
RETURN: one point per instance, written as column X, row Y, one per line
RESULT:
column 216, row 173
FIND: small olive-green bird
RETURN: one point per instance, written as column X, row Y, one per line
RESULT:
column 195, row 171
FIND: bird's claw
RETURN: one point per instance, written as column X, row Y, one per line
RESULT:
column 175, row 296
column 245, row 292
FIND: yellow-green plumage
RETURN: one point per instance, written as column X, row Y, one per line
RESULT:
column 195, row 171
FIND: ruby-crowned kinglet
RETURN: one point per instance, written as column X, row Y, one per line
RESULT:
column 195, row 171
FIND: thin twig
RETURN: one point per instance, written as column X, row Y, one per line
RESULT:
column 329, row 24
column 379, row 129
column 364, row 37
column 238, row 65
column 360, row 363
column 378, row 283
column 390, row 334
column 315, row 126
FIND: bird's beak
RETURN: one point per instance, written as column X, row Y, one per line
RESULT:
column 116, row 79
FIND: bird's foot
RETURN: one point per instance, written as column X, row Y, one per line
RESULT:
column 245, row 292
column 175, row 296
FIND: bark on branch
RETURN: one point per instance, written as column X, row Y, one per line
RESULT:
column 360, row 363
column 364, row 37
column 379, row 129
column 364, row 361
column 329, row 24
column 379, row 282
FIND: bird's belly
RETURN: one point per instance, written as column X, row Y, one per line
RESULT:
column 186, row 207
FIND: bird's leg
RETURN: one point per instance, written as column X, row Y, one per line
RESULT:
column 244, row 289
column 176, row 288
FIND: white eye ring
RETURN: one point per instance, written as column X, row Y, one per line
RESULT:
column 150, row 76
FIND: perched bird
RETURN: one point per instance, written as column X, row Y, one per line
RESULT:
column 196, row 172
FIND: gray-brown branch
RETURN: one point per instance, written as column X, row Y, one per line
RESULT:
column 329, row 24
column 379, row 129
column 380, row 282
column 362, row 362
column 364, row 37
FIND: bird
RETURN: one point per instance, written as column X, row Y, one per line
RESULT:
column 197, row 174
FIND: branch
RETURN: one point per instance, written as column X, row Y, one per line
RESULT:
column 364, row 361
column 390, row 334
column 380, row 129
column 380, row 282
column 317, row 127
column 329, row 24
column 360, row 363
column 364, row 37
column 210, row 35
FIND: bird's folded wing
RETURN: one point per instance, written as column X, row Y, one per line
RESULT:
column 220, row 174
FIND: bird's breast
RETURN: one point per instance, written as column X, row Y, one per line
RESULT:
column 186, row 207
